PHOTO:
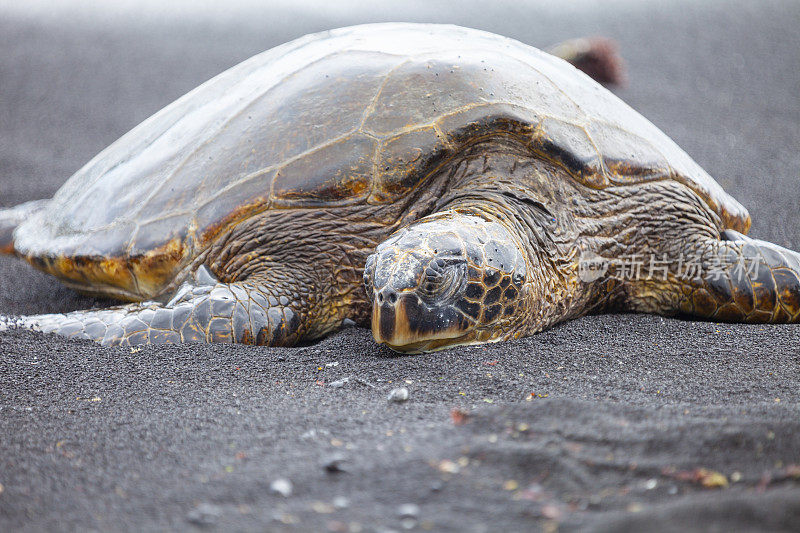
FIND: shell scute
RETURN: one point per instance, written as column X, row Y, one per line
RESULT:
column 570, row 145
column 322, row 101
column 475, row 121
column 627, row 157
column 409, row 97
column 152, row 234
column 402, row 161
column 338, row 173
column 236, row 202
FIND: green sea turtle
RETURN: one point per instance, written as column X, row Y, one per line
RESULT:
column 448, row 185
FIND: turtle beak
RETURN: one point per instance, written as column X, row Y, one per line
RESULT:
column 405, row 324
column 389, row 320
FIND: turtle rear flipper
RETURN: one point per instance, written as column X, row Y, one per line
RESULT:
column 744, row 280
column 731, row 279
column 12, row 217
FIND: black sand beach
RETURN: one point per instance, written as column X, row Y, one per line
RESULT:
column 610, row 423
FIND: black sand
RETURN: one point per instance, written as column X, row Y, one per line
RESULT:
column 604, row 423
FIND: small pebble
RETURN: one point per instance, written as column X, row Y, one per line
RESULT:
column 334, row 463
column 282, row 487
column 341, row 502
column 339, row 383
column 205, row 514
column 634, row 507
column 408, row 510
column 322, row 507
column 399, row 394
column 408, row 514
column 285, row 518
column 408, row 523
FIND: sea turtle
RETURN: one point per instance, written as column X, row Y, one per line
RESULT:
column 449, row 185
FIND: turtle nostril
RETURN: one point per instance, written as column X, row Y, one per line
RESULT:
column 387, row 295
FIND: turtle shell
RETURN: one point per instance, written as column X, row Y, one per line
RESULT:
column 355, row 115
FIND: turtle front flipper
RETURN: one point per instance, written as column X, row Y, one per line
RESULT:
column 250, row 312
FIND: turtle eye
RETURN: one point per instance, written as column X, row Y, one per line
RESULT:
column 442, row 279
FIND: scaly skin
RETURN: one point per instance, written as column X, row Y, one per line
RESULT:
column 456, row 277
column 247, row 312
column 279, row 287
column 662, row 224
column 751, row 281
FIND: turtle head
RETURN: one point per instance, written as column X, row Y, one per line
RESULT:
column 449, row 279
